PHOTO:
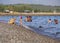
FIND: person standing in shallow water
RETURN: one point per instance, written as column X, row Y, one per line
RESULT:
column 20, row 19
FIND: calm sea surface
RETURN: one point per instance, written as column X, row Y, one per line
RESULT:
column 50, row 29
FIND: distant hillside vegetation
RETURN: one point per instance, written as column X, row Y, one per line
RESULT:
column 40, row 7
column 36, row 8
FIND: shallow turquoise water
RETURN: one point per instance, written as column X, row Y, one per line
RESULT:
column 49, row 29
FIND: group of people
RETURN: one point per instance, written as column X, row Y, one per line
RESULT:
column 50, row 21
column 29, row 19
column 12, row 20
column 55, row 21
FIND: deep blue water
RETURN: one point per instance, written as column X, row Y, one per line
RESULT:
column 50, row 29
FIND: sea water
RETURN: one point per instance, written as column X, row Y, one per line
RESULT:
column 50, row 29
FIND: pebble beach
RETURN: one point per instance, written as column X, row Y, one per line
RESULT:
column 18, row 34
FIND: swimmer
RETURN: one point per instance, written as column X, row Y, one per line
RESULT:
column 40, row 27
column 28, row 19
column 49, row 21
column 56, row 21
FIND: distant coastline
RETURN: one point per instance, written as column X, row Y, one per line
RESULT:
column 29, row 9
column 30, row 14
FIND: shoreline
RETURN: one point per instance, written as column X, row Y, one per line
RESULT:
column 15, row 33
column 30, row 14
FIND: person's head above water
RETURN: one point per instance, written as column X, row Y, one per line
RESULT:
column 49, row 19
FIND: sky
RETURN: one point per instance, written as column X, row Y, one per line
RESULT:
column 43, row 2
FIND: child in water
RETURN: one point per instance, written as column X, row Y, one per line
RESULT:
column 20, row 19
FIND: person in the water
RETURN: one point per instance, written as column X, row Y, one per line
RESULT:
column 40, row 27
column 28, row 19
column 20, row 19
column 55, row 21
column 49, row 21
column 12, row 21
